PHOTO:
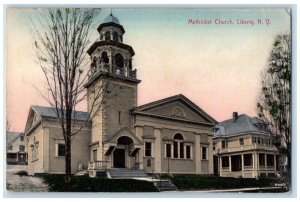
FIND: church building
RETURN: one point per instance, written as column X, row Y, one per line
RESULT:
column 172, row 135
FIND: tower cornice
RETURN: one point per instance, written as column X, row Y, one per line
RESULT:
column 111, row 76
column 112, row 43
column 101, row 26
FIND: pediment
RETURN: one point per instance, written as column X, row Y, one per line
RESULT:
column 176, row 107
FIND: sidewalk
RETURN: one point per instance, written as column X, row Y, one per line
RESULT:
column 235, row 190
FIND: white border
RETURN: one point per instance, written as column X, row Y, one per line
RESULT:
column 157, row 3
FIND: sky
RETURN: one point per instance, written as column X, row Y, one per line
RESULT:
column 217, row 66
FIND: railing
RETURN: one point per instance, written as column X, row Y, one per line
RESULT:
column 262, row 167
column 248, row 147
column 119, row 72
column 98, row 165
column 225, row 168
column 136, row 166
column 248, row 167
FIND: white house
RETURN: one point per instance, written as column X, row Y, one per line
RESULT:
column 244, row 148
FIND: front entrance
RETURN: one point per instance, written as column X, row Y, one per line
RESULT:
column 119, row 158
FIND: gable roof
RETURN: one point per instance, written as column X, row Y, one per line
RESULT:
column 243, row 124
column 49, row 112
column 12, row 136
column 178, row 97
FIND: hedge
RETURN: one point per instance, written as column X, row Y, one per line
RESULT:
column 86, row 184
column 196, row 182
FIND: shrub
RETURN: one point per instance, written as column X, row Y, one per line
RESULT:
column 196, row 182
column 22, row 173
column 98, row 184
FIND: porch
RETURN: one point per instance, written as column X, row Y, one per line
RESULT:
column 105, row 165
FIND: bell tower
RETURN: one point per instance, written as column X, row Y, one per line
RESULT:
column 111, row 87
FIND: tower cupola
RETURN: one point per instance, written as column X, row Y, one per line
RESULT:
column 109, row 54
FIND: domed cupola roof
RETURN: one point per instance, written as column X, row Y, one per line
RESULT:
column 111, row 18
column 111, row 21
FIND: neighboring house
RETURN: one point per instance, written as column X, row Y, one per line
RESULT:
column 244, row 148
column 172, row 135
column 16, row 148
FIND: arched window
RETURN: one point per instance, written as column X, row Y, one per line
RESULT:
column 107, row 35
column 104, row 57
column 125, row 140
column 101, row 36
column 181, row 149
column 115, row 36
column 178, row 151
column 119, row 60
column 178, row 136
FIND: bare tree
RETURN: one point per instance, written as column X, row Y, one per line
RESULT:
column 61, row 41
column 275, row 99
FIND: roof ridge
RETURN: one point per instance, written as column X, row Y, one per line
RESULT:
column 158, row 101
column 54, row 108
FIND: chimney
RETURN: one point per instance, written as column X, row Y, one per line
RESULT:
column 234, row 116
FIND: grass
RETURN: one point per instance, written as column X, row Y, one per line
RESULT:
column 98, row 184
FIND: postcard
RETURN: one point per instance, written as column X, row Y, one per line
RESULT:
column 149, row 99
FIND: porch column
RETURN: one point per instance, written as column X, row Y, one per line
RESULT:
column 229, row 163
column 266, row 167
column 219, row 166
column 253, row 165
column 257, row 164
column 242, row 165
column 275, row 163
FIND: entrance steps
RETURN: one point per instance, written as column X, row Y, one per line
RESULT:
column 165, row 185
column 81, row 173
column 124, row 173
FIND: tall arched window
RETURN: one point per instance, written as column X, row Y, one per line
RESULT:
column 119, row 59
column 178, row 151
column 181, row 148
column 107, row 35
column 104, row 57
column 115, row 36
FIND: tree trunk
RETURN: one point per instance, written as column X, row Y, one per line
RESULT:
column 68, row 163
